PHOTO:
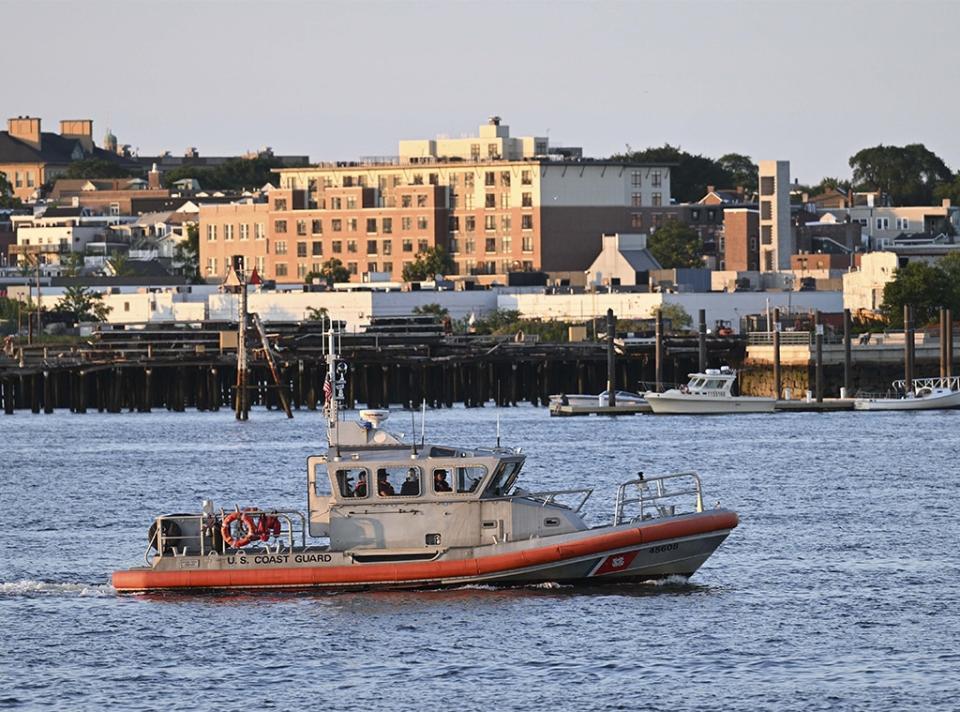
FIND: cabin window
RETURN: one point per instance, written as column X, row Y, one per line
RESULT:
column 503, row 479
column 352, row 482
column 321, row 481
column 399, row 481
column 467, row 479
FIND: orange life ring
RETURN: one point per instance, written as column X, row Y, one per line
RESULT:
column 248, row 528
column 267, row 526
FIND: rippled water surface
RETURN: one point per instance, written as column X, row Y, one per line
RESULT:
column 839, row 590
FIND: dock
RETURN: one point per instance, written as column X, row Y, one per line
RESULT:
column 567, row 411
column 811, row 406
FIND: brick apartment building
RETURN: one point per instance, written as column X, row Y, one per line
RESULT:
column 531, row 210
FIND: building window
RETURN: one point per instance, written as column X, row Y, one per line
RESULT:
column 280, row 226
column 211, row 233
column 351, row 202
column 388, row 247
column 636, row 199
column 387, row 226
column 281, row 269
column 767, row 185
column 489, row 178
column 753, row 244
column 504, row 201
column 316, row 227
column 371, row 247
column 635, row 179
column 766, row 234
column 280, row 204
column 301, row 249
column 280, row 247
column 468, row 180
column 336, row 246
column 470, row 223
column 351, row 245
column 711, row 215
column 492, row 150
column 351, row 224
column 506, row 244
column 388, row 266
column 903, row 223
column 766, row 210
column 469, row 245
column 505, row 223
column 655, row 178
column 526, row 200
column 432, row 179
column 490, row 244
column 336, row 203
column 211, row 266
column 526, row 177
column 371, row 266
column 406, row 201
column 228, row 233
column 418, row 179
column 527, row 243
column 489, row 222
column 454, row 246
column 636, row 220
column 261, row 265
column 475, row 151
column 526, row 222
column 490, row 201
column 695, row 214
column 883, row 223
column 407, row 245
column 468, row 201
column 422, row 246
column 453, row 223
column 371, row 226
column 336, row 225
column 422, row 223
column 421, row 201
column 114, row 210
column 657, row 200
column 317, row 248
column 352, row 267
column 259, row 232
column 301, row 227
column 244, row 231
column 505, row 178
column 301, row 270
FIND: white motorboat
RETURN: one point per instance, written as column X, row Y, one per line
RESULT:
column 438, row 515
column 707, row 393
column 927, row 394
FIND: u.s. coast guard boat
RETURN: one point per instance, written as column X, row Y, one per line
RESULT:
column 383, row 513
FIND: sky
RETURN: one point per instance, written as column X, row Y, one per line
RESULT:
column 810, row 82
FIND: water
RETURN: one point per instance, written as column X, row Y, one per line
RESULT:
column 838, row 591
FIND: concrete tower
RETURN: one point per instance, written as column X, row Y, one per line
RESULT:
column 776, row 236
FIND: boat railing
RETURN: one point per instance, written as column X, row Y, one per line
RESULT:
column 953, row 383
column 657, row 496
column 200, row 533
column 550, row 497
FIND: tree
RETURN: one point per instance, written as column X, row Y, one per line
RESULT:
column 7, row 199
column 333, row 271
column 742, row 170
column 675, row 244
column 428, row 264
column 317, row 314
column 187, row 254
column 949, row 190
column 432, row 310
column 675, row 313
column 827, row 184
column 84, row 304
column 690, row 175
column 95, row 168
column 235, row 174
column 924, row 287
column 72, row 264
column 119, row 265
column 908, row 174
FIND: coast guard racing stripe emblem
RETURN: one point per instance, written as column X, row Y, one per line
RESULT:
column 615, row 562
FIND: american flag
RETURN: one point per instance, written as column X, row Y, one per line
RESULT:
column 327, row 389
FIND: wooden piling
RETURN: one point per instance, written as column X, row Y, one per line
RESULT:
column 777, row 374
column 702, row 340
column 847, row 357
column 658, row 351
column 818, row 328
column 908, row 347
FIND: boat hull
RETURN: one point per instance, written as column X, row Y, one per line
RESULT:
column 942, row 401
column 678, row 403
column 674, row 546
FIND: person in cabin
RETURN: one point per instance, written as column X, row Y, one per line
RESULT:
column 384, row 488
column 440, row 483
column 410, row 486
column 361, row 489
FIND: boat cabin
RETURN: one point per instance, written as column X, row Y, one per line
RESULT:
column 372, row 491
column 712, row 382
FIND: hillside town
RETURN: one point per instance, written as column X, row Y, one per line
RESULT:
column 464, row 226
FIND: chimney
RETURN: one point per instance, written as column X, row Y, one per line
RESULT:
column 945, row 203
column 153, row 178
column 80, row 130
column 710, row 189
column 26, row 129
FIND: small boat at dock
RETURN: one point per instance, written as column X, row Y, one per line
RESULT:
column 707, row 393
column 384, row 513
column 927, row 394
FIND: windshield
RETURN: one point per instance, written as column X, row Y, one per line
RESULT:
column 503, row 479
